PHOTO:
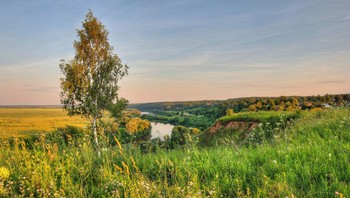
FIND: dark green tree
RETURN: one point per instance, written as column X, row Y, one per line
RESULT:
column 179, row 136
column 90, row 82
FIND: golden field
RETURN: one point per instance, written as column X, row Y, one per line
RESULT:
column 21, row 122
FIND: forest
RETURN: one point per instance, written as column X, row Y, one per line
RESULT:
column 202, row 114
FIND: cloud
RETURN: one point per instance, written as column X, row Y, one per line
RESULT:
column 331, row 81
column 40, row 89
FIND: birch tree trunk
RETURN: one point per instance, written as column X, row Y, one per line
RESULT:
column 94, row 126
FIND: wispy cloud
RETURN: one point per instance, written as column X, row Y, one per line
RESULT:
column 202, row 47
column 41, row 89
column 331, row 81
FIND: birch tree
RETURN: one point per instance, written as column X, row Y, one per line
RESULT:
column 90, row 82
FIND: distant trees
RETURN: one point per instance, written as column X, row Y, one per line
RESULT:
column 90, row 82
column 286, row 103
column 270, row 104
column 338, row 99
column 229, row 112
column 209, row 111
column 252, row 107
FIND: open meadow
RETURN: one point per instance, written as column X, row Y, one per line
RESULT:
column 22, row 122
column 309, row 157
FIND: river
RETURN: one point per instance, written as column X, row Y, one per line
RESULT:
column 160, row 130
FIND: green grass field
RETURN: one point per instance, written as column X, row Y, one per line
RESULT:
column 23, row 122
column 261, row 116
column 310, row 160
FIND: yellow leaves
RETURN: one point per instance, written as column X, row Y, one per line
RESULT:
column 137, row 125
column 130, row 113
column 195, row 131
column 229, row 112
column 132, row 125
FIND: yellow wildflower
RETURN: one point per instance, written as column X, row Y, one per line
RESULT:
column 118, row 168
column 4, row 173
column 134, row 164
column 126, row 168
column 3, row 192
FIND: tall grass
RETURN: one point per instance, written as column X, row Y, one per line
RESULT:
column 311, row 160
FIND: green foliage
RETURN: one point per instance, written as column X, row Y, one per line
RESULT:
column 116, row 109
column 261, row 116
column 89, row 85
column 174, row 118
column 90, row 82
column 218, row 108
column 128, row 127
column 253, row 128
column 180, row 135
column 229, row 112
column 125, row 137
column 311, row 159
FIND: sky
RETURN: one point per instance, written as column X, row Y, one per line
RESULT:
column 182, row 50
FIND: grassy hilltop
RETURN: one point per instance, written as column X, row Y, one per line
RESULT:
column 309, row 157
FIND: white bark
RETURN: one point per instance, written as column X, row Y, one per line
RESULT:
column 94, row 126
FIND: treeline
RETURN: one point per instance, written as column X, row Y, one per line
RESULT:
column 218, row 108
column 174, row 106
column 287, row 103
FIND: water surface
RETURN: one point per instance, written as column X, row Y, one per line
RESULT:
column 160, row 130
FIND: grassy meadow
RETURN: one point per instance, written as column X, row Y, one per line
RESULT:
column 309, row 158
column 260, row 116
column 23, row 122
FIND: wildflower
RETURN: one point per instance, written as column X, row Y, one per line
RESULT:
column 134, row 164
column 126, row 168
column 118, row 168
column 3, row 191
column 339, row 194
column 119, row 146
column 4, row 173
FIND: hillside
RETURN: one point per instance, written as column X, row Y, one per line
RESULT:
column 219, row 107
column 308, row 158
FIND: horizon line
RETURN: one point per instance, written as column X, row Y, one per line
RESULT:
column 168, row 101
